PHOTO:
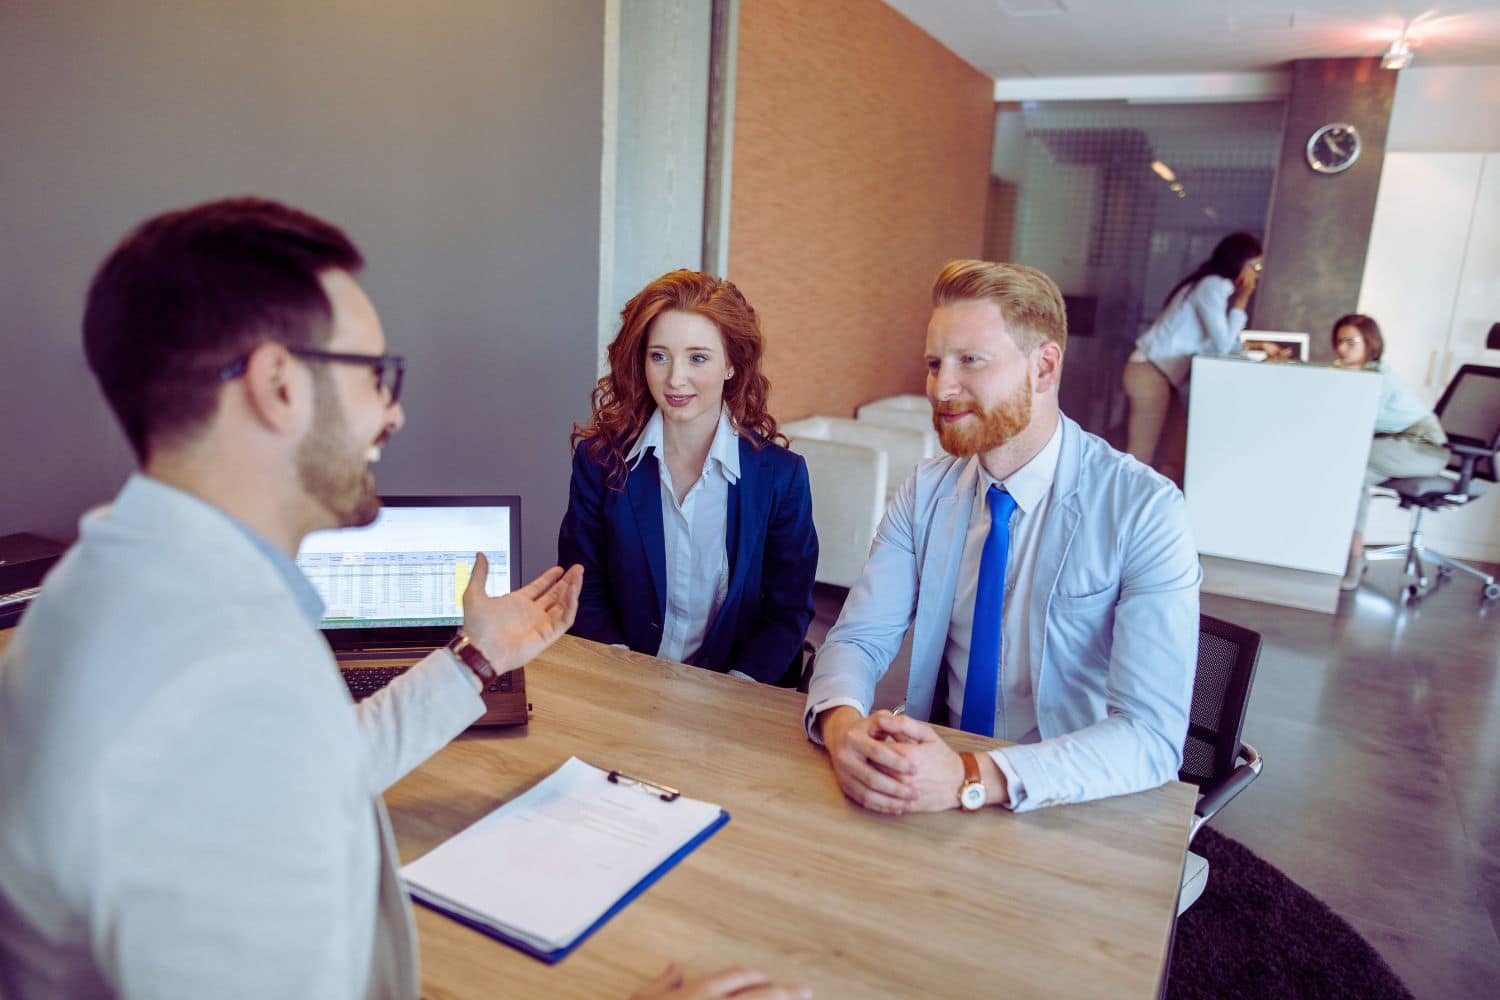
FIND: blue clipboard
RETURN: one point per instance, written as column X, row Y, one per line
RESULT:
column 551, row 957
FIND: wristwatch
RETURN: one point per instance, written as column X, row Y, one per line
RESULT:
column 470, row 656
column 971, row 794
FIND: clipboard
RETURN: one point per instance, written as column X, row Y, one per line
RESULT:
column 506, row 875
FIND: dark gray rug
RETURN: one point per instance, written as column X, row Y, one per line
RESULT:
column 1256, row 933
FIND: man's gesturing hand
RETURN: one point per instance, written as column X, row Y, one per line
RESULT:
column 511, row 629
column 870, row 771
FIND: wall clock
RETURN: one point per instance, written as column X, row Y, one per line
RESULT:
column 1333, row 148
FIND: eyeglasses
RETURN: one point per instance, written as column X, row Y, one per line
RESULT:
column 389, row 369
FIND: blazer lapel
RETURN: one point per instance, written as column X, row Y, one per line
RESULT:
column 745, row 519
column 942, row 552
column 748, row 514
column 1057, row 536
column 644, row 488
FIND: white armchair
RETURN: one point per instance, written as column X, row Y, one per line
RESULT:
column 848, row 484
column 904, row 447
column 909, row 411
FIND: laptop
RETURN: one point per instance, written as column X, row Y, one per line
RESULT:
column 393, row 590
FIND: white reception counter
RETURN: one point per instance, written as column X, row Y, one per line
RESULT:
column 1276, row 456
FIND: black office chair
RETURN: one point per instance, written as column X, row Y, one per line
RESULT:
column 799, row 672
column 1470, row 414
column 1213, row 757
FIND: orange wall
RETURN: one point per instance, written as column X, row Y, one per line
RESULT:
column 861, row 164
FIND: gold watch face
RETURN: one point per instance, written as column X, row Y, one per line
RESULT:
column 971, row 797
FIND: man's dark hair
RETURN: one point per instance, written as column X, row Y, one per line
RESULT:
column 191, row 292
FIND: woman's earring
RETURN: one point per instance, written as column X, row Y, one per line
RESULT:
column 729, row 374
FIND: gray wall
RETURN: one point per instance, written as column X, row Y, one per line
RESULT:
column 457, row 141
column 662, row 131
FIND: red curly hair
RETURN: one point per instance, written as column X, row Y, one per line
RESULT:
column 622, row 400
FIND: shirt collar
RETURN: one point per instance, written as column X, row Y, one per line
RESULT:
column 1031, row 482
column 306, row 595
column 725, row 448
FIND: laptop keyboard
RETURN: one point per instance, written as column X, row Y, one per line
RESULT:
column 365, row 681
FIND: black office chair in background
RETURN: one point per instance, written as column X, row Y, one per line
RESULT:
column 1470, row 414
column 1213, row 757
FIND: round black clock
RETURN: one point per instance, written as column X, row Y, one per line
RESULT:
column 1333, row 148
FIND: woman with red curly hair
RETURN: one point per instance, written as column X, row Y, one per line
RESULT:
column 694, row 527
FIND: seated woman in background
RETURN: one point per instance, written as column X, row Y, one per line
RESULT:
column 1409, row 441
column 693, row 526
column 1203, row 314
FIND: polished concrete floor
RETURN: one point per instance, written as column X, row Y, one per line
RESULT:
column 1380, row 728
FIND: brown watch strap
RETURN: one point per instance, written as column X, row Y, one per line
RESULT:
column 463, row 647
column 972, row 774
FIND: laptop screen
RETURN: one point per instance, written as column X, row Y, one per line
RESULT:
column 402, row 578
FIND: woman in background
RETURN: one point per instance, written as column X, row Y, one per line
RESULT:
column 693, row 526
column 1203, row 314
column 1409, row 441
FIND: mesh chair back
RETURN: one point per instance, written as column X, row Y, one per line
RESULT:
column 1227, row 655
column 1470, row 414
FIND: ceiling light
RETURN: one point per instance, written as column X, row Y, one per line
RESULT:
column 1163, row 171
column 1399, row 55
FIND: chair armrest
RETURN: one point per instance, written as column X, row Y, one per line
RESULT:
column 1219, row 796
column 808, row 653
column 1468, row 458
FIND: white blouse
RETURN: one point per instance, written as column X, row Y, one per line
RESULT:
column 694, row 530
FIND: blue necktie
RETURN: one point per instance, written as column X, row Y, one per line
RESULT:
column 989, row 609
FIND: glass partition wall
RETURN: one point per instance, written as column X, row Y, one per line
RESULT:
column 1118, row 202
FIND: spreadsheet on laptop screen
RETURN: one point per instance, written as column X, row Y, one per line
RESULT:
column 410, row 567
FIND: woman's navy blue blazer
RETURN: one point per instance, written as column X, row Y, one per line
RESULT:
column 769, row 536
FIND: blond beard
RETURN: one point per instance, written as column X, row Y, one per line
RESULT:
column 997, row 426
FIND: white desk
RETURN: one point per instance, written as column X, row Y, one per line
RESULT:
column 1276, row 457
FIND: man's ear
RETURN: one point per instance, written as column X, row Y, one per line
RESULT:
column 274, row 388
column 1049, row 361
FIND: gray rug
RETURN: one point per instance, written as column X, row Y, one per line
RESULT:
column 1256, row 933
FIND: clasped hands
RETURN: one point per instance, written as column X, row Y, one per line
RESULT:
column 892, row 763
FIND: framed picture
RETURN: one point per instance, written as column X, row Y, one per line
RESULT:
column 1274, row 345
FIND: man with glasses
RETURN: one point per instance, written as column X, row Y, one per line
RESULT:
column 189, row 806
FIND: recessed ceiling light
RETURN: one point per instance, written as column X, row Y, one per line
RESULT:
column 1163, row 171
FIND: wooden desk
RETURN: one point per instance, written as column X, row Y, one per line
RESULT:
column 1071, row 901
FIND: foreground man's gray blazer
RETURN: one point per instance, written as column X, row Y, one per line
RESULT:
column 189, row 804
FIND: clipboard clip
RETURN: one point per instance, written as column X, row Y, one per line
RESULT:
column 665, row 792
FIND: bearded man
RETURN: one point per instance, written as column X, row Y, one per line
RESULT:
column 1050, row 581
column 190, row 805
